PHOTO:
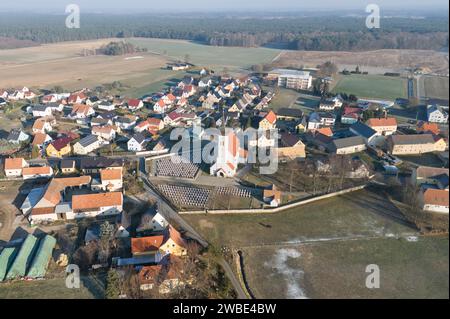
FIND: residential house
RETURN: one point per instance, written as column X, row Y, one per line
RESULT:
column 426, row 127
column 88, row 144
column 347, row 145
column 17, row 136
column 59, row 147
column 110, row 180
column 180, row 118
column 351, row 115
column 383, row 126
column 170, row 242
column 268, row 121
column 106, row 106
column 272, row 196
column 107, row 132
column 37, row 172
column 438, row 177
column 135, row 104
column 91, row 205
column 317, row 120
column 411, row 144
column 126, row 122
column 76, row 98
column 14, row 166
column 291, row 146
column 136, row 143
column 330, row 104
column 434, row 200
column 370, row 136
column 93, row 165
column 161, row 276
column 289, row 114
column 41, row 110
column 81, row 111
column 161, row 107
column 152, row 222
column 42, row 125
column 437, row 114
column 67, row 166
column 40, row 140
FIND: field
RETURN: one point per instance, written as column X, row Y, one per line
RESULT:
column 359, row 214
column 435, row 87
column 321, row 250
column 208, row 56
column 337, row 269
column 375, row 62
column 65, row 64
column 372, row 86
column 91, row 287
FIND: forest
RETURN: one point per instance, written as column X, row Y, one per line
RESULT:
column 294, row 32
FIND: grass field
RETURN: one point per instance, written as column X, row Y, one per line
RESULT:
column 337, row 269
column 361, row 213
column 208, row 56
column 321, row 250
column 372, row 86
column 90, row 288
column 64, row 64
column 436, row 87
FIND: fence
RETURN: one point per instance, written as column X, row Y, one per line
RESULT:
column 277, row 209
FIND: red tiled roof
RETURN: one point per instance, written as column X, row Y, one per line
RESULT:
column 60, row 143
column 13, row 163
column 374, row 122
column 40, row 170
column 146, row 244
column 134, row 102
column 95, row 201
column 437, row 197
column 271, row 117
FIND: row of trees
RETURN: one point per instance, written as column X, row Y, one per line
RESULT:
column 301, row 33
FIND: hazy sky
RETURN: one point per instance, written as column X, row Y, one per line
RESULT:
column 213, row 5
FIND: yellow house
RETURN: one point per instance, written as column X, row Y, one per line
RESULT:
column 440, row 145
column 59, row 147
column 268, row 121
column 170, row 242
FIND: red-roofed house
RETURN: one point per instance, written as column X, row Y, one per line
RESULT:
column 435, row 200
column 383, row 126
column 135, row 104
column 76, row 98
column 268, row 121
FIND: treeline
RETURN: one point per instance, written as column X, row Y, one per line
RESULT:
column 119, row 48
column 298, row 33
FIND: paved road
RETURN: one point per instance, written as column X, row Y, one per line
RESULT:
column 234, row 281
column 166, row 209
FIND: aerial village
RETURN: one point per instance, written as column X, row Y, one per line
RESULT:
column 104, row 163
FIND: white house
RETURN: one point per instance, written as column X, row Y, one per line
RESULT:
column 88, row 144
column 14, row 166
column 41, row 110
column 136, row 143
column 106, row 106
column 17, row 136
column 436, row 114
column 37, row 172
column 153, row 222
column 91, row 205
